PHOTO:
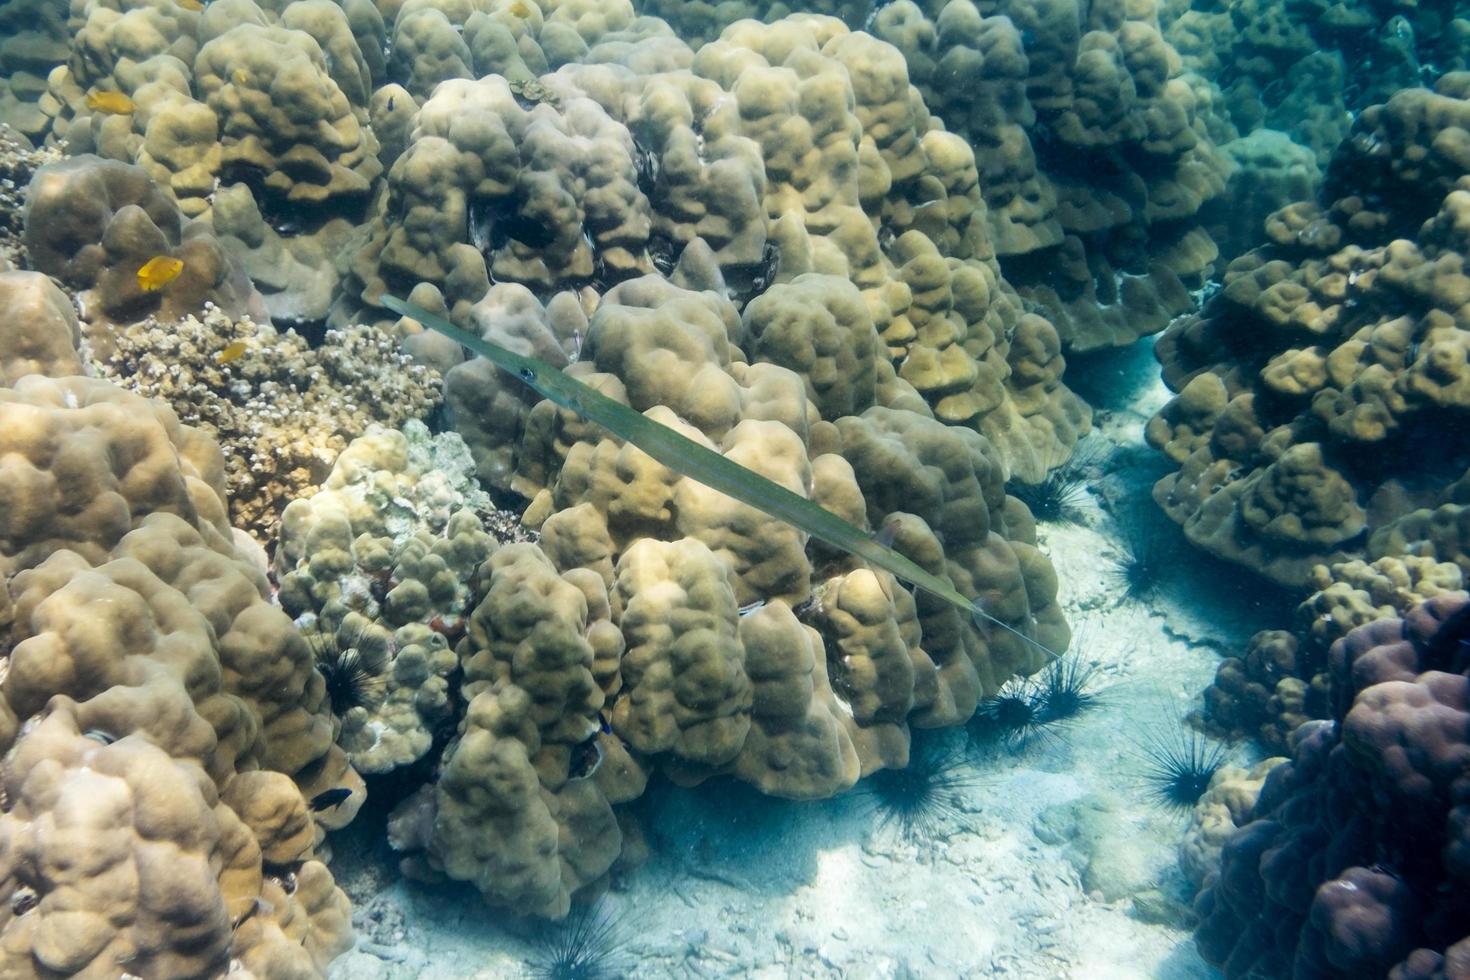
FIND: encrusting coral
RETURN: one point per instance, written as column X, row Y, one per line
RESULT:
column 154, row 698
column 1313, row 390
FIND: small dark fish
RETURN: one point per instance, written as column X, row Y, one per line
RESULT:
column 770, row 265
column 327, row 799
column 390, row 103
column 585, row 760
column 645, row 163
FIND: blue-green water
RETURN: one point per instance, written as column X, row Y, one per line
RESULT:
column 332, row 649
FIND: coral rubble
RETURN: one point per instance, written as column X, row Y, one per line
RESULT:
column 284, row 408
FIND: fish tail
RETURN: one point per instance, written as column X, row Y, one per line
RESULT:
column 979, row 616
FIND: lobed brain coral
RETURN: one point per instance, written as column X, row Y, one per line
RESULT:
column 1314, row 393
column 1352, row 861
column 155, row 700
column 1094, row 147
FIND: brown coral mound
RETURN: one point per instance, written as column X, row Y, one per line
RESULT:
column 1321, row 393
column 93, row 223
column 660, row 625
column 154, row 698
column 1094, row 146
column 1353, row 861
column 1281, row 680
column 772, row 159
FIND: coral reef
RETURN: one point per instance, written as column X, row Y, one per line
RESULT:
column 608, row 175
column 1095, row 149
column 267, row 105
column 159, row 715
column 1267, row 172
column 1314, row 390
column 283, row 408
column 661, row 625
column 1305, row 69
column 34, row 39
column 378, row 565
column 1282, row 681
column 1353, row 862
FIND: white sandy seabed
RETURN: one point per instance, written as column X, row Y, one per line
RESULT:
column 1055, row 864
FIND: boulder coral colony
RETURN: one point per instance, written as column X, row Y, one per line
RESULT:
column 259, row 538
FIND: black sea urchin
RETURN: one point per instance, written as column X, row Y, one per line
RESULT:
column 1014, row 717
column 1061, row 494
column 587, row 945
column 1066, row 688
column 1146, row 538
column 1178, row 764
column 350, row 684
column 915, row 801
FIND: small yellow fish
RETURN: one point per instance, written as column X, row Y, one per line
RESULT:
column 194, row 5
column 231, row 353
column 158, row 272
column 114, row 102
column 519, row 9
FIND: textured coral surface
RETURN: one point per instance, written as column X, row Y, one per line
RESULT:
column 163, row 722
column 1353, row 863
column 1321, row 395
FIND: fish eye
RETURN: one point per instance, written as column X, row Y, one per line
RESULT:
column 527, row 374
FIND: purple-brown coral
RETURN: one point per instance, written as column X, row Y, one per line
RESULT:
column 1357, row 859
